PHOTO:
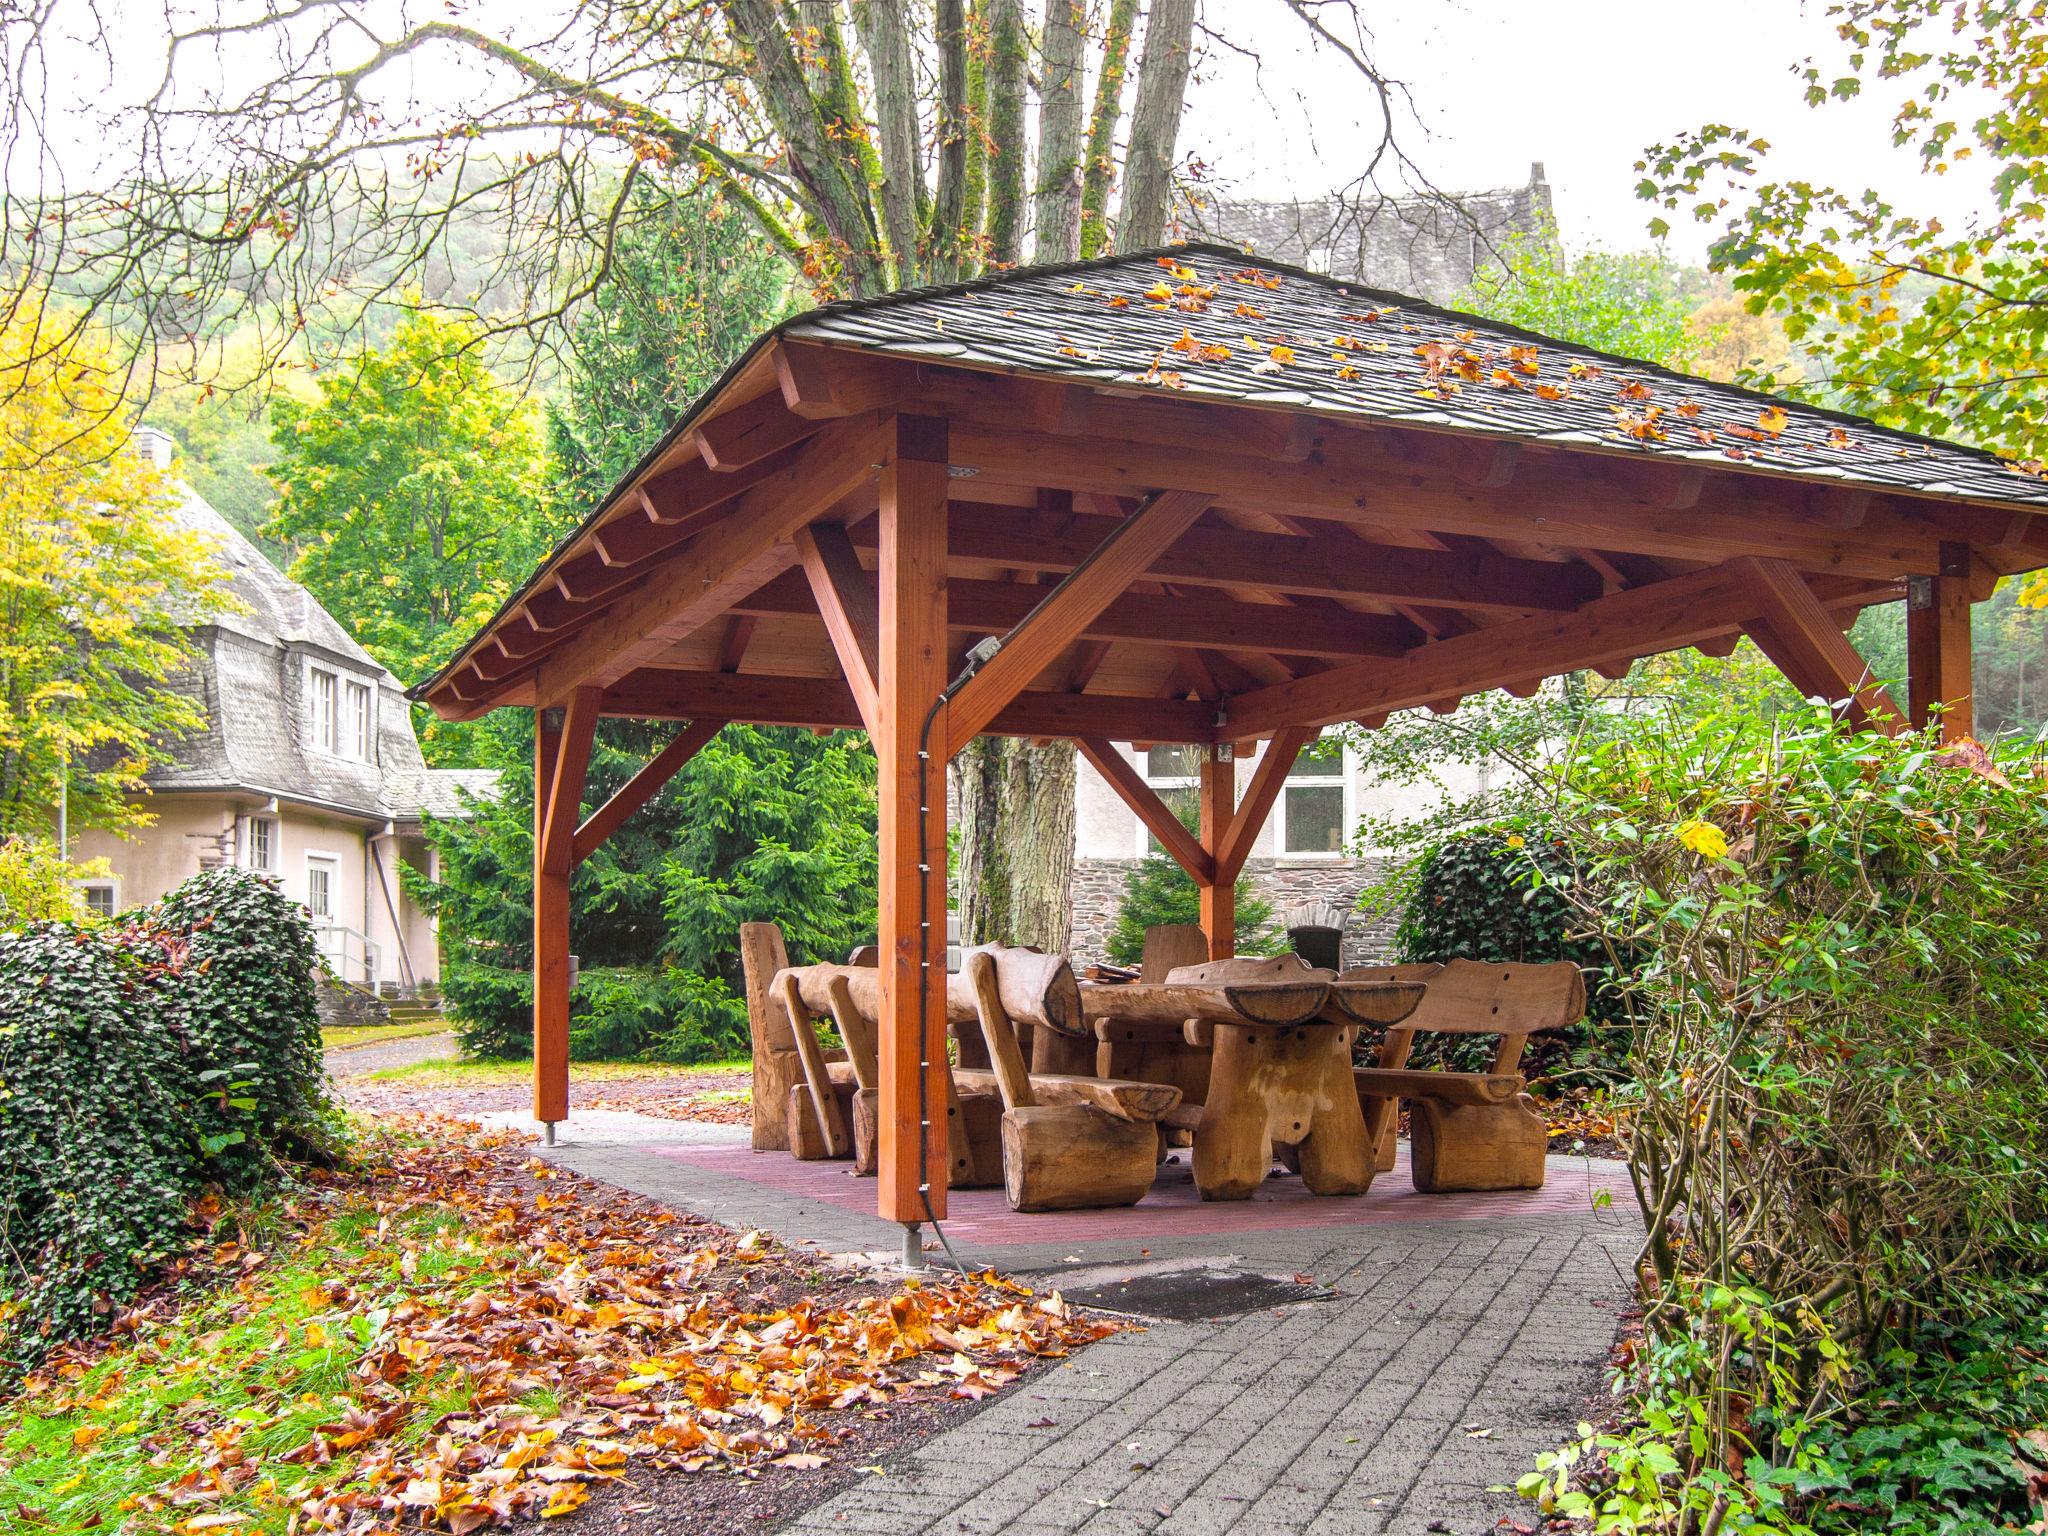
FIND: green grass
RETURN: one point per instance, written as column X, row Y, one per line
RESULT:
column 457, row 1072
column 251, row 1370
column 343, row 1036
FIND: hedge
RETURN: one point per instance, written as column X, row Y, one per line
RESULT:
column 140, row 1064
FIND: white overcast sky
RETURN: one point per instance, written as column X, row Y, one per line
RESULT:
column 1581, row 85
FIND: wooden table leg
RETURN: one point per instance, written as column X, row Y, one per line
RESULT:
column 1233, row 1147
column 1337, row 1154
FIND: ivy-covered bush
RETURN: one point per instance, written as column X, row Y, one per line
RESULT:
column 141, row 1062
column 1495, row 894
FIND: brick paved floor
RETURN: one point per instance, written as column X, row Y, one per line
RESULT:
column 1454, row 1350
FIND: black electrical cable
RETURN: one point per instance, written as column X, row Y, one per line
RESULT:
column 977, row 657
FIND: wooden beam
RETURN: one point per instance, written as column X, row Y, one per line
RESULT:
column 1555, row 502
column 1803, row 639
column 732, row 647
column 821, row 381
column 913, row 1148
column 1642, row 621
column 982, row 607
column 720, row 566
column 1216, row 791
column 750, row 431
column 1268, row 563
column 559, row 801
column 561, row 758
column 827, row 703
column 1938, row 646
column 1259, row 796
column 1060, row 616
column 1181, row 845
column 642, row 787
column 846, row 599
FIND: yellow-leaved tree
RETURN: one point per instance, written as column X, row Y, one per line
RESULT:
column 99, row 585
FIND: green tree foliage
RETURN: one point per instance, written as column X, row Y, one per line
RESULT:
column 1934, row 323
column 690, row 289
column 2008, row 658
column 37, row 886
column 1157, row 891
column 765, row 824
column 414, row 494
column 1634, row 303
column 97, row 586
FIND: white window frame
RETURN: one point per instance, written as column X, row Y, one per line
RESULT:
column 1147, row 844
column 271, row 834
column 1341, row 780
column 328, row 864
column 323, row 709
column 359, row 714
column 111, row 884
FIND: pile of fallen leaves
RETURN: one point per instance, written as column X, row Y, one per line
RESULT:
column 472, row 1336
column 1585, row 1120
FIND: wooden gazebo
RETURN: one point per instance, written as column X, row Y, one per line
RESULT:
column 1200, row 499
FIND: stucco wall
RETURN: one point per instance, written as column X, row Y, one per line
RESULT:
column 188, row 835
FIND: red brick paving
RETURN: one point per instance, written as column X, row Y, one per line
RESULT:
column 1173, row 1209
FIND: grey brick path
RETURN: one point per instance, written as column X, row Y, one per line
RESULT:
column 1453, row 1353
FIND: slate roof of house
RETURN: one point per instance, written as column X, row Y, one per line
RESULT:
column 1205, row 320
column 1430, row 246
column 247, row 674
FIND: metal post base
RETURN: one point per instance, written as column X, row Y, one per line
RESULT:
column 550, row 1131
column 913, row 1245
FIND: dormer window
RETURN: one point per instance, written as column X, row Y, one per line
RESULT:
column 340, row 715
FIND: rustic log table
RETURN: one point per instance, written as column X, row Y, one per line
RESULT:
column 1280, row 1070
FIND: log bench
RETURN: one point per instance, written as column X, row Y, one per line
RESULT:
column 1468, row 1130
column 1069, row 1141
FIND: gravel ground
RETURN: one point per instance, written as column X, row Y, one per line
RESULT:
column 667, row 1094
column 375, row 1056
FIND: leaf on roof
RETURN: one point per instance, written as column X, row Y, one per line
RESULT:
column 1773, row 418
column 1634, row 389
column 1552, row 392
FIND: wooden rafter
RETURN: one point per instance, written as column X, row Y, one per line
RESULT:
column 642, row 787
column 1181, row 845
column 1060, row 616
column 1242, row 834
column 846, row 600
column 1639, row 622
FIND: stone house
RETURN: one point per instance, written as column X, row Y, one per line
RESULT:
column 307, row 769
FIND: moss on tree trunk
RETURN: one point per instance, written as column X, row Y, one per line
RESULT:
column 1016, row 805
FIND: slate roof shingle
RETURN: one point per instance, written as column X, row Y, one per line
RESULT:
column 1205, row 321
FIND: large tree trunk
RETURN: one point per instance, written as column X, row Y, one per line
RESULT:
column 1155, row 124
column 1016, row 842
column 1056, row 199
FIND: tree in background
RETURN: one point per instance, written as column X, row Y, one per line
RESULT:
column 1157, row 891
column 97, row 586
column 414, row 496
column 763, row 825
column 872, row 146
column 1632, row 303
column 687, row 296
column 1935, row 324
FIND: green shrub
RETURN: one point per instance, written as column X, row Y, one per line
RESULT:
column 1838, row 1070
column 139, row 1063
column 1495, row 894
column 622, row 1013
column 1159, row 891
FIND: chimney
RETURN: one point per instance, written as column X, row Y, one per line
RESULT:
column 153, row 446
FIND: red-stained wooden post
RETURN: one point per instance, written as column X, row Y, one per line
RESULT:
column 1938, row 645
column 561, row 759
column 912, row 757
column 1218, row 801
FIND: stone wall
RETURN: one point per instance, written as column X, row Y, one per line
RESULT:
column 1099, row 891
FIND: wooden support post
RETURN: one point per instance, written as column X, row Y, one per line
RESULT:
column 561, row 759
column 1938, row 645
column 1218, row 799
column 911, row 749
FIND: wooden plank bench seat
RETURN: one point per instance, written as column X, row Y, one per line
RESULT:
column 1468, row 1130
